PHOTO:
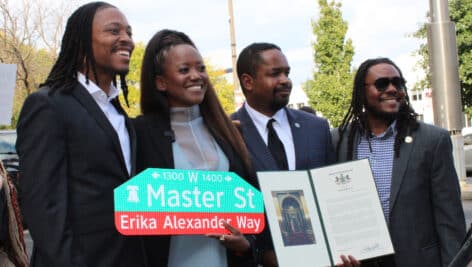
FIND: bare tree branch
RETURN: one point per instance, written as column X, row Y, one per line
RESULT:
column 30, row 36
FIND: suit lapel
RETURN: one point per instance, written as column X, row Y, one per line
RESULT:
column 255, row 143
column 86, row 100
column 131, row 134
column 132, row 142
column 300, row 139
column 344, row 145
column 400, row 165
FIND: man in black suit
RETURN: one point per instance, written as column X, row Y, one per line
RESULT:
column 76, row 145
column 263, row 72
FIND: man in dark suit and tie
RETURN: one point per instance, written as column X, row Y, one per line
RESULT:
column 277, row 137
column 412, row 166
column 75, row 145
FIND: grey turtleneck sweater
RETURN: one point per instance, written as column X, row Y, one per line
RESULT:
column 196, row 149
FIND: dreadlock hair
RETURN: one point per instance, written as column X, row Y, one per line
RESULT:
column 356, row 117
column 250, row 58
column 156, row 102
column 76, row 51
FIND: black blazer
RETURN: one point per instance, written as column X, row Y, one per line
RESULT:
column 155, row 139
column 70, row 162
column 426, row 220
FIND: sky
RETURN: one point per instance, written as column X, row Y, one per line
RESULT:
column 376, row 27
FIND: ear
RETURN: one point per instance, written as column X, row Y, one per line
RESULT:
column 161, row 83
column 247, row 82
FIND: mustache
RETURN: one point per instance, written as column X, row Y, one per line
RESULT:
column 396, row 95
column 282, row 88
column 397, row 98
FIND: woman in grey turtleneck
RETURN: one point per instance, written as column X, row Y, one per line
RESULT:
column 183, row 126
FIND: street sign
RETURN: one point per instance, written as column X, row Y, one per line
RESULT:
column 174, row 202
column 7, row 91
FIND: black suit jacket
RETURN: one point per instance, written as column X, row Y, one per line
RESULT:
column 155, row 138
column 426, row 220
column 70, row 162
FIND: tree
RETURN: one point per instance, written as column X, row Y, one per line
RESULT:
column 132, row 79
column 224, row 89
column 460, row 12
column 30, row 33
column 329, row 92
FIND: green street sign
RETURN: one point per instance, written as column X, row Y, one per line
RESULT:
column 172, row 202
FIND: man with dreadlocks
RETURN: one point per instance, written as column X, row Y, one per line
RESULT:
column 76, row 145
column 412, row 166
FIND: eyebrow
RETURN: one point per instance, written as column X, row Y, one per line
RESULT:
column 280, row 68
column 119, row 25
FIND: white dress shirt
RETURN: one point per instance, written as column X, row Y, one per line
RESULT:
column 116, row 119
column 281, row 127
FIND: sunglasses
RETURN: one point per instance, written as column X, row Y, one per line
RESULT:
column 382, row 83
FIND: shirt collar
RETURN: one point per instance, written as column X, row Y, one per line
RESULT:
column 261, row 119
column 94, row 90
column 390, row 131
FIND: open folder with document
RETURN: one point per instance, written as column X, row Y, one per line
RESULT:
column 317, row 215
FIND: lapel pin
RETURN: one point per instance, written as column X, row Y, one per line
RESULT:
column 408, row 139
column 297, row 124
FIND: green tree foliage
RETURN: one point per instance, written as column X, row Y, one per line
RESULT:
column 224, row 89
column 460, row 12
column 329, row 91
column 132, row 79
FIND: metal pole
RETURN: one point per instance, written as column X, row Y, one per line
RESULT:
column 445, row 83
column 238, row 95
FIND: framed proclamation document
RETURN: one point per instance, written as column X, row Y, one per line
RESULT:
column 317, row 215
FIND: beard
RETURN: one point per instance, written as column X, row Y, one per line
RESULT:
column 279, row 102
column 382, row 115
column 123, row 72
column 112, row 71
column 117, row 71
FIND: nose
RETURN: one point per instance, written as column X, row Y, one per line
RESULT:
column 392, row 88
column 284, row 79
column 195, row 74
column 125, row 37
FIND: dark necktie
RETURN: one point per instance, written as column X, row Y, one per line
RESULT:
column 276, row 147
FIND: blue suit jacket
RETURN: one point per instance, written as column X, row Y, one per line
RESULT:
column 311, row 138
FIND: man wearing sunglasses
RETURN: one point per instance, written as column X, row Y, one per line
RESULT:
column 412, row 166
